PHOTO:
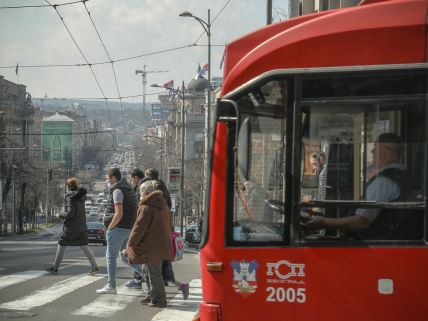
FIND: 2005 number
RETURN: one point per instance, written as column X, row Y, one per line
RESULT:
column 289, row 295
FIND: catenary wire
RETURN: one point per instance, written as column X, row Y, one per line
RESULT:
column 102, row 98
column 112, row 64
column 107, row 62
column 108, row 131
column 84, row 57
column 55, row 5
column 199, row 38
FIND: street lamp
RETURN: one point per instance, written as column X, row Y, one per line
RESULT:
column 207, row 28
column 180, row 94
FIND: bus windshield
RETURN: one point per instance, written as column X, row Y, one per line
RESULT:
column 354, row 144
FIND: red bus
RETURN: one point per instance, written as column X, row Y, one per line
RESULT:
column 317, row 190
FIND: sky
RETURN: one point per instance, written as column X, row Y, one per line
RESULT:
column 128, row 28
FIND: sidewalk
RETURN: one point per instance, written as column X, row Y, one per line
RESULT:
column 42, row 231
column 191, row 248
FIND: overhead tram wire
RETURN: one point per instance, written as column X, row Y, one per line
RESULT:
column 102, row 98
column 43, row 5
column 112, row 64
column 84, row 57
column 65, row 134
column 107, row 62
column 212, row 21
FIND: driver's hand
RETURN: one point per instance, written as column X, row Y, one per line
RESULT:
column 305, row 217
column 316, row 221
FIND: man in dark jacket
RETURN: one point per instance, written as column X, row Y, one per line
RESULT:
column 137, row 178
column 119, row 219
column 153, row 174
column 74, row 230
column 149, row 242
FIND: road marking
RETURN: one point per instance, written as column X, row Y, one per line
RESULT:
column 179, row 309
column 19, row 277
column 108, row 304
column 50, row 293
column 17, row 248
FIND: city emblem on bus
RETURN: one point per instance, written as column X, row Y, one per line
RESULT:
column 244, row 277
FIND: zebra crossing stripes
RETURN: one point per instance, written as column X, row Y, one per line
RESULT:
column 19, row 277
column 50, row 293
column 103, row 306
column 108, row 304
column 178, row 309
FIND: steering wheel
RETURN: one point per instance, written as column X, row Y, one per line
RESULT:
column 275, row 205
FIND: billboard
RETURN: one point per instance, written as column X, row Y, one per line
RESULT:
column 160, row 112
column 174, row 179
column 57, row 141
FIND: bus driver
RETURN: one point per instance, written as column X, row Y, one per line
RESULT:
column 388, row 184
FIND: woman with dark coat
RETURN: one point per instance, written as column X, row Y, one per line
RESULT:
column 74, row 230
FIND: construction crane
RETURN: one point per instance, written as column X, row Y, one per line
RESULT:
column 144, row 73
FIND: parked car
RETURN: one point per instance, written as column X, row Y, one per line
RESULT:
column 96, row 233
column 188, row 235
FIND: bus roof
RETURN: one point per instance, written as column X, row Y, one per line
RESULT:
column 384, row 32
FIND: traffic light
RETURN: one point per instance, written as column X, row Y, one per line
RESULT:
column 50, row 174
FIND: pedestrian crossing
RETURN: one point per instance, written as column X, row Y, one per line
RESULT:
column 108, row 304
column 50, row 293
column 102, row 306
column 19, row 277
column 182, row 310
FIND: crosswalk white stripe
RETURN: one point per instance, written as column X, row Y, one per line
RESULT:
column 50, row 293
column 185, row 309
column 108, row 304
column 19, row 277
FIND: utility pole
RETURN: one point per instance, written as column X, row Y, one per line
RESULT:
column 144, row 73
column 182, row 192
column 13, row 229
column 269, row 12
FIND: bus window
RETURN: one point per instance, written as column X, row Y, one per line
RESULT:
column 363, row 164
column 258, row 214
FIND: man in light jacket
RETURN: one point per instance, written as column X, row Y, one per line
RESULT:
column 149, row 242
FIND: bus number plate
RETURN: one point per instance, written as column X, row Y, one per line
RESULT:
column 290, row 295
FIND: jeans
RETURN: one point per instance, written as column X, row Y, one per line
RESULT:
column 137, row 268
column 116, row 240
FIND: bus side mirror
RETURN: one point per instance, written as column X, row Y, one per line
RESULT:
column 244, row 148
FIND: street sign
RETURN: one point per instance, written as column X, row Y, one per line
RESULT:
column 173, row 202
column 174, row 176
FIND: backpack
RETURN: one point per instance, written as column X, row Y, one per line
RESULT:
column 177, row 243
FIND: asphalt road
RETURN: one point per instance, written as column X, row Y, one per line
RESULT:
column 27, row 291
